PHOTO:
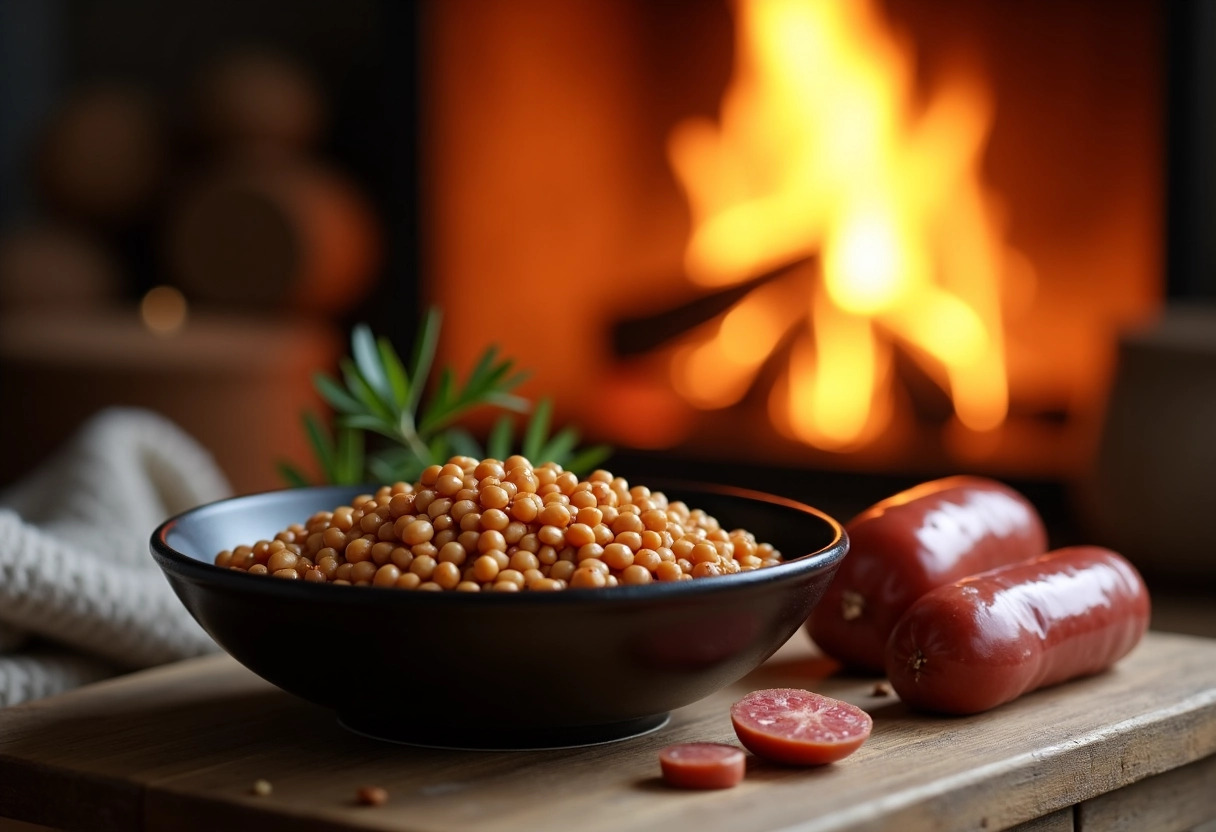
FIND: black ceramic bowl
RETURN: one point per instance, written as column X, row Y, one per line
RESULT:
column 499, row 670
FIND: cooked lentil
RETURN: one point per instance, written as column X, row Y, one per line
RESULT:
column 473, row 525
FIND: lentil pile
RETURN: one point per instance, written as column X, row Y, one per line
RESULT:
column 474, row 525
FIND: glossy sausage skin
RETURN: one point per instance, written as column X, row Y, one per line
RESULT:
column 989, row 638
column 904, row 546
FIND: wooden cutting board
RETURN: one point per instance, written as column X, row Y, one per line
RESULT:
column 178, row 748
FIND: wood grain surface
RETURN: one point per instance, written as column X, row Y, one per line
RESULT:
column 1174, row 801
column 179, row 747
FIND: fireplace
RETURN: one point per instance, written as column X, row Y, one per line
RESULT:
column 882, row 237
column 871, row 236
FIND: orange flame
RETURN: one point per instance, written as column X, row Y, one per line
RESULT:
column 820, row 153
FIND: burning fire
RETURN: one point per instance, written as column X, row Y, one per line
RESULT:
column 823, row 158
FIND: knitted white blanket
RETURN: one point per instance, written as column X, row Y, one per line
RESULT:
column 80, row 597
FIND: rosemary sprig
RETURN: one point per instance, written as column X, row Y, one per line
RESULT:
column 378, row 394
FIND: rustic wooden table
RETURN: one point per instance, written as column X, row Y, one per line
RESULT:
column 178, row 748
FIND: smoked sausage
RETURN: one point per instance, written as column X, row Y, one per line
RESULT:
column 904, row 546
column 798, row 727
column 987, row 639
column 702, row 765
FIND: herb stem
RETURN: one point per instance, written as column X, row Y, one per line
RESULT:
column 410, row 437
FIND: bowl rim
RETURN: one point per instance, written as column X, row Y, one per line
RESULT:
column 170, row 559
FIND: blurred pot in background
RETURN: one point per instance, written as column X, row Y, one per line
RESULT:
column 102, row 156
column 290, row 234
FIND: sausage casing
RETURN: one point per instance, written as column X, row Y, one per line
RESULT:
column 908, row 544
column 987, row 639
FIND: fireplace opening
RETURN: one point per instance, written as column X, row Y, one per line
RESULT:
column 885, row 237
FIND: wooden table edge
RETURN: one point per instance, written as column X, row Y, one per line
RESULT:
column 90, row 802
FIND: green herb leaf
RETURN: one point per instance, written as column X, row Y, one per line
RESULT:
column 516, row 380
column 335, row 395
column 588, row 459
column 363, row 391
column 292, row 475
column 537, row 430
column 498, row 443
column 394, row 371
column 484, row 366
column 366, row 421
column 438, row 408
column 348, row 464
column 322, row 443
column 438, row 447
column 395, row 455
column 509, row 401
column 395, row 463
column 558, row 448
column 462, row 442
column 367, row 360
column 423, row 356
column 383, row 470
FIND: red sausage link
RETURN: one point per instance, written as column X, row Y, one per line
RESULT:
column 989, row 638
column 702, row 765
column 904, row 546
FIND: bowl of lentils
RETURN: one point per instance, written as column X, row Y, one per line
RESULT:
column 501, row 604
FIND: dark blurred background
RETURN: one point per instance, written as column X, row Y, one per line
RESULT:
column 246, row 170
column 198, row 199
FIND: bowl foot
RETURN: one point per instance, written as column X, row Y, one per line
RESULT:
column 500, row 739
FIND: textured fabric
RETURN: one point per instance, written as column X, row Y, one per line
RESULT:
column 80, row 597
column 47, row 670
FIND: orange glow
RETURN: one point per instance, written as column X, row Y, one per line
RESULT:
column 834, row 383
column 825, row 150
column 716, row 368
column 164, row 310
column 644, row 412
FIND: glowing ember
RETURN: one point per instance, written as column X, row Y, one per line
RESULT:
column 820, row 153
